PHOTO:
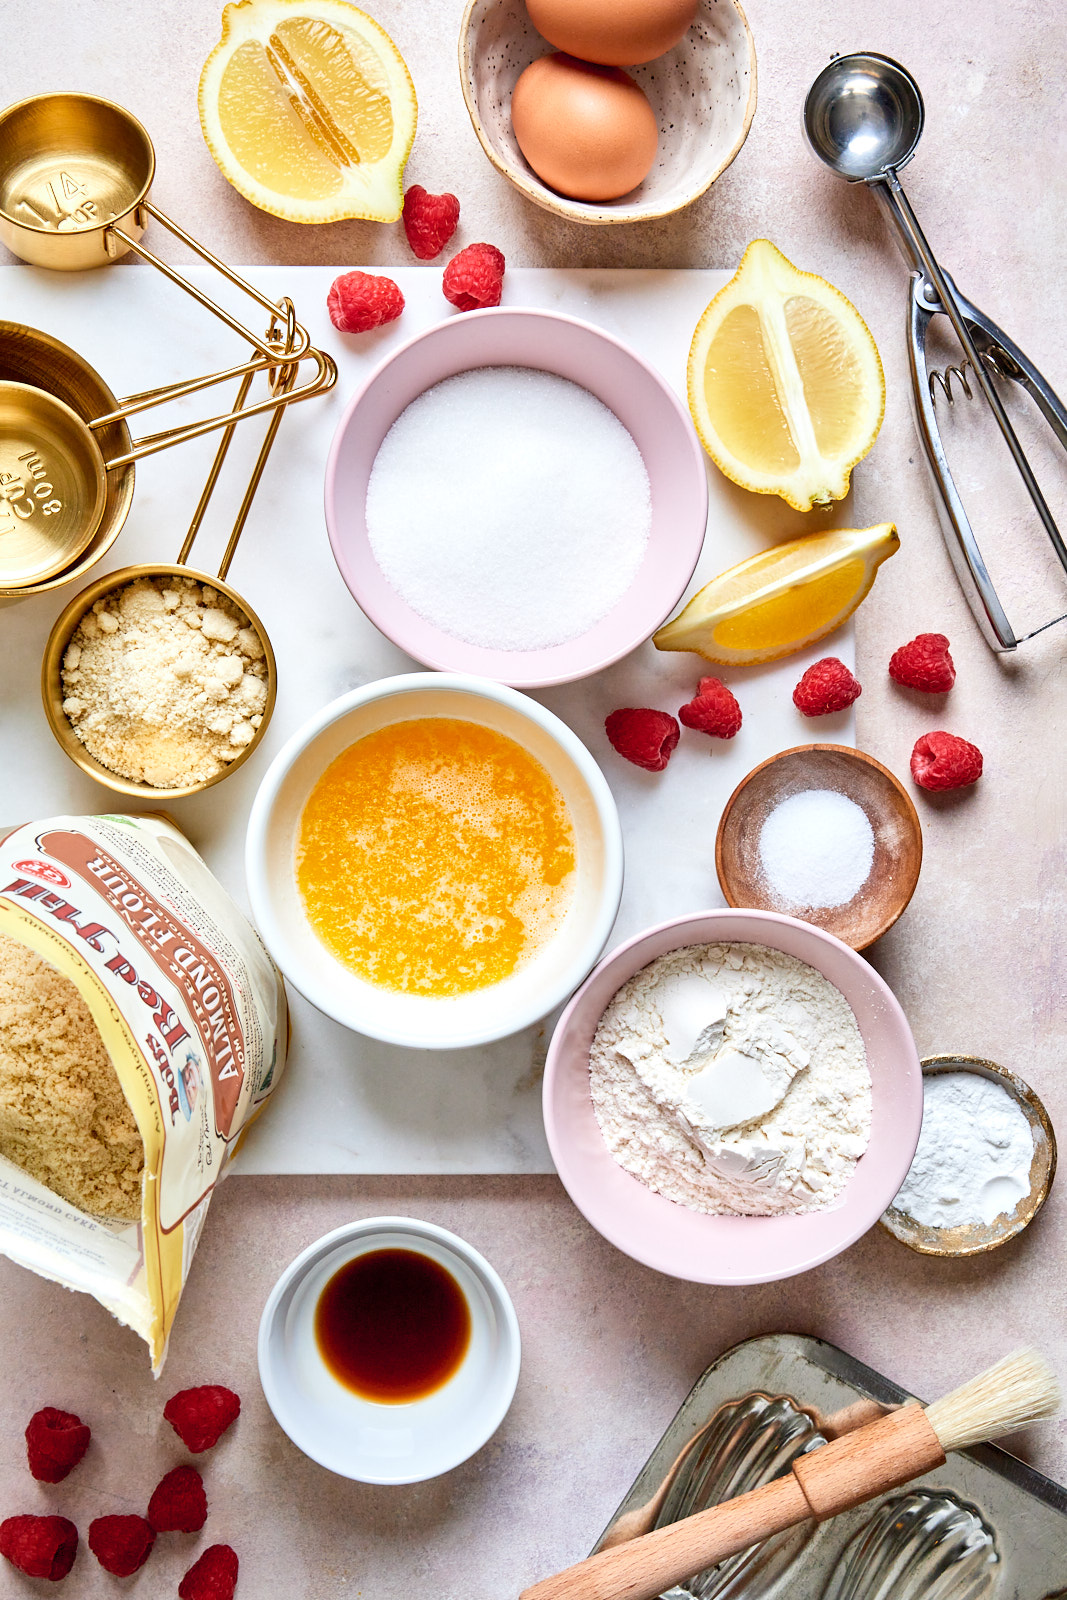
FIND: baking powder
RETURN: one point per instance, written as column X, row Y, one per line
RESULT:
column 733, row 1079
column 973, row 1160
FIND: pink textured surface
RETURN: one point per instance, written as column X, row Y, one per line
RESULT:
column 978, row 960
column 733, row 1250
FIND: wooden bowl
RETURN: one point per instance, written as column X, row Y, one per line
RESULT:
column 703, row 93
column 978, row 1238
column 898, row 845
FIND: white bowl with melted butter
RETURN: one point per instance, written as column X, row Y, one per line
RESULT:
column 329, row 897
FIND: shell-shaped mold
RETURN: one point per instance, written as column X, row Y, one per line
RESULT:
column 746, row 1443
column 919, row 1546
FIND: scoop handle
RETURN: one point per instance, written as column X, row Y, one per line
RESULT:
column 642, row 1568
column 844, row 1473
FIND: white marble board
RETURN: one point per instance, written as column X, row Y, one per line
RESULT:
column 346, row 1103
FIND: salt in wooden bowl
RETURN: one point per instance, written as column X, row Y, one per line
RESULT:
column 703, row 93
column 863, row 780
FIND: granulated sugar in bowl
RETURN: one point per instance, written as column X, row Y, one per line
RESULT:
column 568, row 501
column 531, row 540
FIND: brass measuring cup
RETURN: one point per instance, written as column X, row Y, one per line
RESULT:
column 75, row 172
column 66, row 625
column 30, row 357
column 52, row 484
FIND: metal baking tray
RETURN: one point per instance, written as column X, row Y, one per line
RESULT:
column 984, row 1525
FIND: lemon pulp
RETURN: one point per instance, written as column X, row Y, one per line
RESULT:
column 309, row 110
column 785, row 383
column 782, row 599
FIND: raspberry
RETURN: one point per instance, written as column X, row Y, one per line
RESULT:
column 430, row 220
column 122, row 1545
column 943, row 761
column 924, row 664
column 213, row 1577
column 474, row 278
column 358, row 301
column 55, row 1443
column 178, row 1503
column 644, row 737
column 714, row 709
column 201, row 1416
column 827, row 686
column 41, row 1547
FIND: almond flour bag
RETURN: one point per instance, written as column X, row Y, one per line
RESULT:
column 183, row 999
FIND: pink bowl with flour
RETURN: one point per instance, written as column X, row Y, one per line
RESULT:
column 644, row 403
column 733, row 1250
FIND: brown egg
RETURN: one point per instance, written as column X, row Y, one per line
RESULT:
column 617, row 33
column 587, row 131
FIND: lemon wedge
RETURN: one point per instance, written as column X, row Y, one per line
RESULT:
column 785, row 384
column 782, row 599
column 309, row 110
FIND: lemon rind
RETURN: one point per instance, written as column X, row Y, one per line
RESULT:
column 875, row 552
column 347, row 206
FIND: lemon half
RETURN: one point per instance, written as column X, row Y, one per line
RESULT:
column 786, row 386
column 309, row 110
column 782, row 599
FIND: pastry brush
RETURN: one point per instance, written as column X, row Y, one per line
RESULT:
column 844, row 1473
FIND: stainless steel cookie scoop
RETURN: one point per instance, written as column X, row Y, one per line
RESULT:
column 863, row 117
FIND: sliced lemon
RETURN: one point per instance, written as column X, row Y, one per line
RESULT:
column 782, row 599
column 785, row 382
column 309, row 109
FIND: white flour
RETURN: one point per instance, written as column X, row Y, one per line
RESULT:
column 974, row 1155
column 733, row 1079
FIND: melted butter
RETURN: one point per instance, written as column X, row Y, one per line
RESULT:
column 435, row 856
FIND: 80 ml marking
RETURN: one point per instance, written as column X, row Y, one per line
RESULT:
column 22, row 499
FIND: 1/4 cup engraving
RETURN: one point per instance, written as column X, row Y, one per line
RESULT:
column 63, row 204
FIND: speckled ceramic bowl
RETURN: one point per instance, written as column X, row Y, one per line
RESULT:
column 733, row 1250
column 703, row 93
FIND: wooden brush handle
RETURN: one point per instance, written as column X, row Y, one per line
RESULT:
column 642, row 1568
column 833, row 1478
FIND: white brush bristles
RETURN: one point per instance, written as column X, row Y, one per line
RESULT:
column 1019, row 1390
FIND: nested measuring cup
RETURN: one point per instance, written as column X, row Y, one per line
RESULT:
column 31, row 358
column 53, row 485
column 75, row 174
column 282, row 379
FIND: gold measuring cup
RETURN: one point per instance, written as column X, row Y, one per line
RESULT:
column 30, row 357
column 75, row 172
column 282, row 379
column 52, row 484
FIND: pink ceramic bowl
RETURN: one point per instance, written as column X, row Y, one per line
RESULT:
column 657, row 421
column 733, row 1250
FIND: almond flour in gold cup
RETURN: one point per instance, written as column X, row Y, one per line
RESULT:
column 66, row 626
